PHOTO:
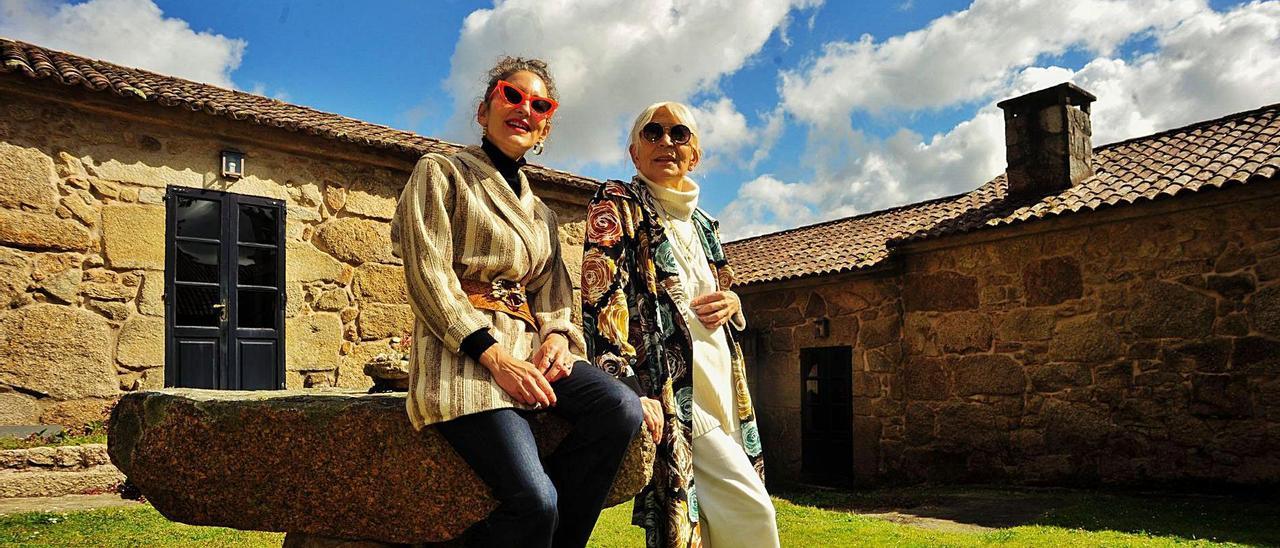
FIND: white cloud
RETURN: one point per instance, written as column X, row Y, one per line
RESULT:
column 133, row 33
column 1209, row 65
column 1202, row 64
column 259, row 88
column 855, row 174
column 610, row 59
column 722, row 126
column 774, row 126
column 964, row 56
column 727, row 138
column 767, row 204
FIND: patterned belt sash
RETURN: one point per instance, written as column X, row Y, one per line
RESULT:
column 504, row 296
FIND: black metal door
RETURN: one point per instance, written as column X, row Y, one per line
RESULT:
column 224, row 290
column 826, row 424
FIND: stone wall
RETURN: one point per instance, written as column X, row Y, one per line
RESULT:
column 1117, row 347
column 82, row 247
column 57, row 471
column 863, row 313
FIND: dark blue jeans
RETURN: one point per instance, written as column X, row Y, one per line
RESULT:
column 552, row 502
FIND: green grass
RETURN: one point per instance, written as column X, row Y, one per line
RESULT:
column 135, row 526
column 809, row 518
column 55, row 441
column 1031, row 517
column 92, row 433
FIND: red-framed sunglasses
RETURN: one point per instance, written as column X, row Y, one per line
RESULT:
column 540, row 107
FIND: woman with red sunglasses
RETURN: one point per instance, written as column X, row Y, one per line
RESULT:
column 658, row 311
column 493, row 339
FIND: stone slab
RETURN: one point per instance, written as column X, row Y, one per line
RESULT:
column 329, row 463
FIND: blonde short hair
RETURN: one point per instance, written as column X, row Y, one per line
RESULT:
column 680, row 111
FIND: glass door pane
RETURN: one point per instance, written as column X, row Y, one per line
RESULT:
column 198, row 218
column 197, row 262
column 258, row 224
column 257, row 308
column 257, row 266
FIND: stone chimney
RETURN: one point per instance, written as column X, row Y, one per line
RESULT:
column 1047, row 140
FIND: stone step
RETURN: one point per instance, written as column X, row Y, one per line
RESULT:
column 64, row 458
column 36, row 482
column 314, row 463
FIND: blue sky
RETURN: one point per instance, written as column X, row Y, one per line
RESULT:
column 811, row 110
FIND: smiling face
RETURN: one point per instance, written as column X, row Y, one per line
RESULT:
column 514, row 129
column 665, row 162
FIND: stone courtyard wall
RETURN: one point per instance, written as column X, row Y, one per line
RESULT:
column 1135, row 346
column 82, row 233
column 863, row 313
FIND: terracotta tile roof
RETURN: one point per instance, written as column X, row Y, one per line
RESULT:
column 1236, row 149
column 37, row 63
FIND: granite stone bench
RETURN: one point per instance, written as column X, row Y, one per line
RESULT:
column 336, row 464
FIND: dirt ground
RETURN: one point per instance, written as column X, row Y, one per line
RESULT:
column 964, row 511
column 66, row 503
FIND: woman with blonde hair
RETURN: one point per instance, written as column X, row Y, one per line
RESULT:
column 493, row 337
column 658, row 313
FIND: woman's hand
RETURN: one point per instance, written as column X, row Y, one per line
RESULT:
column 653, row 417
column 553, row 358
column 715, row 309
column 518, row 378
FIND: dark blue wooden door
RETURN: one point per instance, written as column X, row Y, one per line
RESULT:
column 224, row 290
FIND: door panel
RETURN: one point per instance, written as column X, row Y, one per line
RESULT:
column 826, row 415
column 197, row 363
column 224, row 297
column 255, row 356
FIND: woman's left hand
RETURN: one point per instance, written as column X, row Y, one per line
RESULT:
column 715, row 309
column 553, row 358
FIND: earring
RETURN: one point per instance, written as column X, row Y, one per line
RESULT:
column 537, row 148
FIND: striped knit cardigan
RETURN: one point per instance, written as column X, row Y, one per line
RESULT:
column 458, row 219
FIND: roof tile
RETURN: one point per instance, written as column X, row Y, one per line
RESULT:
column 37, row 63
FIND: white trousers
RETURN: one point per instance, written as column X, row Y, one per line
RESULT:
column 734, row 509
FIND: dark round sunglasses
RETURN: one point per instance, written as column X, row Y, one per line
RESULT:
column 653, row 131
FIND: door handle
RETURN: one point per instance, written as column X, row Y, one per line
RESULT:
column 222, row 309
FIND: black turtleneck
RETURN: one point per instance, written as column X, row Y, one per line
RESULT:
column 507, row 167
column 480, row 340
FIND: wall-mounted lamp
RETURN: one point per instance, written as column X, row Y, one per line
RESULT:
column 821, row 328
column 232, row 164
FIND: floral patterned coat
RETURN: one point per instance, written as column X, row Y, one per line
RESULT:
column 633, row 326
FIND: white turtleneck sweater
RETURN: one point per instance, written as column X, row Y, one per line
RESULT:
column 713, row 397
